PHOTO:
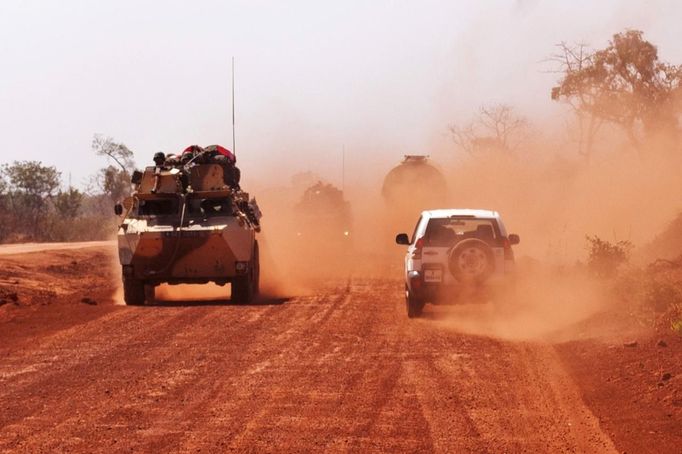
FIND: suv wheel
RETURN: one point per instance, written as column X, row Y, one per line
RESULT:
column 471, row 261
column 414, row 305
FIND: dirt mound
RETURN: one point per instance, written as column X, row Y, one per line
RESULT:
column 43, row 278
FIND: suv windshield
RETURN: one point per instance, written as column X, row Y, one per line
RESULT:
column 446, row 232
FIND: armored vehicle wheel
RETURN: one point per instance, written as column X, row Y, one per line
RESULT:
column 149, row 293
column 414, row 306
column 133, row 291
column 244, row 288
column 256, row 269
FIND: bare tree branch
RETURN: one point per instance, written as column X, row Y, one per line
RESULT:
column 121, row 154
column 496, row 128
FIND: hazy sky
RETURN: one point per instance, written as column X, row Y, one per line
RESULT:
column 383, row 78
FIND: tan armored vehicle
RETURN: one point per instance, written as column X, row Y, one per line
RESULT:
column 324, row 214
column 186, row 222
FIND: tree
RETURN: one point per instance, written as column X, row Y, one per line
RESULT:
column 625, row 84
column 31, row 187
column 5, row 220
column 3, row 191
column 113, row 181
column 496, row 129
column 118, row 152
column 572, row 59
column 68, row 203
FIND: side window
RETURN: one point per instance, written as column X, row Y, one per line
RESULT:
column 414, row 233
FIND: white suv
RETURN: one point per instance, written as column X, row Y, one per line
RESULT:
column 452, row 249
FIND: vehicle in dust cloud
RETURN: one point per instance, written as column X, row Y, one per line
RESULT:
column 414, row 185
column 189, row 222
column 323, row 225
column 454, row 249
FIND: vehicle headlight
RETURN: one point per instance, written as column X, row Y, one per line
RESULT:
column 241, row 267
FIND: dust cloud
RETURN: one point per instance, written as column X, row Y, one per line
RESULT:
column 544, row 305
column 192, row 292
column 115, row 272
column 545, row 192
column 549, row 196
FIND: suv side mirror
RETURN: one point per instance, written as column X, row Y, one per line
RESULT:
column 118, row 209
column 514, row 239
column 402, row 238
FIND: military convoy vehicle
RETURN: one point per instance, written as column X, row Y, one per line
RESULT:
column 324, row 217
column 188, row 221
column 322, row 232
column 414, row 184
column 409, row 188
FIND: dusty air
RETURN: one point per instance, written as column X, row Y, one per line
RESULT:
column 341, row 227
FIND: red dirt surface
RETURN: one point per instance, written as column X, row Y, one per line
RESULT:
column 341, row 369
column 634, row 384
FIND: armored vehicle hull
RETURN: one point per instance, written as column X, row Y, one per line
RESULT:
column 186, row 225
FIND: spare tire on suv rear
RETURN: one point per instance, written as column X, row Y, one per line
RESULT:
column 471, row 261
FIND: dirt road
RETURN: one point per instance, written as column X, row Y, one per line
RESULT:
column 342, row 369
column 23, row 248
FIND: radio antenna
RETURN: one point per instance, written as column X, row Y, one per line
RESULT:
column 234, row 144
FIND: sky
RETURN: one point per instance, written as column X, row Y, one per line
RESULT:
column 378, row 79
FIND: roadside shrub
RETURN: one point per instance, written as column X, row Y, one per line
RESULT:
column 81, row 228
column 662, row 296
column 653, row 294
column 605, row 257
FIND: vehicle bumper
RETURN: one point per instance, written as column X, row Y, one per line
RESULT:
column 447, row 291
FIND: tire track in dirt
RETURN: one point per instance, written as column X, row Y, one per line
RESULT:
column 343, row 369
column 562, row 400
column 83, row 364
column 216, row 396
column 510, row 397
column 497, row 396
column 261, row 384
column 158, row 363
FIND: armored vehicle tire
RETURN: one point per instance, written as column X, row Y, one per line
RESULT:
column 256, row 269
column 149, row 293
column 133, row 291
column 414, row 306
column 244, row 288
column 471, row 261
